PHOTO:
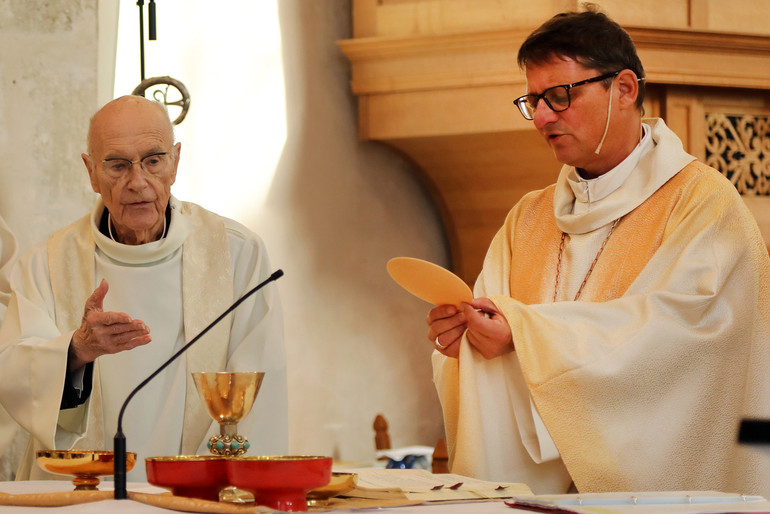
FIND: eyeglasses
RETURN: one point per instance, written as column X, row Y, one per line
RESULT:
column 556, row 98
column 154, row 164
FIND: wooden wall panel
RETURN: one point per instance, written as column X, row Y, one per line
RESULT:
column 402, row 18
column 683, row 113
column 443, row 112
column 671, row 14
column 737, row 16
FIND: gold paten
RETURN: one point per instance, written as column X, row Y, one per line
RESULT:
column 340, row 483
column 85, row 465
column 228, row 398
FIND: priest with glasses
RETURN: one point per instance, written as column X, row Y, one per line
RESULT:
column 619, row 331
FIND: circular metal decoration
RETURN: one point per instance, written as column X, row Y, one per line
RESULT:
column 166, row 95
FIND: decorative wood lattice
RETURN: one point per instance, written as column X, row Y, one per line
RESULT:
column 739, row 147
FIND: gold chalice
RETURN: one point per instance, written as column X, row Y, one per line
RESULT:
column 86, row 465
column 228, row 398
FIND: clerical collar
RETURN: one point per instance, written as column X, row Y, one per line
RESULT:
column 104, row 223
column 145, row 254
column 587, row 191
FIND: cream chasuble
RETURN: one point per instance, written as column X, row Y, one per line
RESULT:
column 180, row 283
column 642, row 383
column 8, row 427
column 7, row 256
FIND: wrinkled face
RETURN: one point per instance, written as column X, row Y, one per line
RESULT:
column 132, row 164
column 575, row 133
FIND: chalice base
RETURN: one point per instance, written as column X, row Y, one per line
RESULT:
column 85, row 482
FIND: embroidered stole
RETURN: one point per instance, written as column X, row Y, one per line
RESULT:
column 636, row 239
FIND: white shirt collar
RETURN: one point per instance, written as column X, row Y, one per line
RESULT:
column 587, row 191
column 178, row 230
column 654, row 167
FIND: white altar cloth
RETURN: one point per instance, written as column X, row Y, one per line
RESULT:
column 493, row 507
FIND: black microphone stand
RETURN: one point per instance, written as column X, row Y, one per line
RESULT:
column 119, row 442
column 140, row 4
column 754, row 431
column 152, row 27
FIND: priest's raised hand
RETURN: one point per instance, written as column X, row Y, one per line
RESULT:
column 103, row 333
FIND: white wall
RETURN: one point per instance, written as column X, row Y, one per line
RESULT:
column 47, row 92
column 336, row 210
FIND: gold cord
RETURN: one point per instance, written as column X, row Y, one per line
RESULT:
column 590, row 270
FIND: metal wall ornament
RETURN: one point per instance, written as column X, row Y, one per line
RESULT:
column 739, row 147
column 160, row 94
column 166, row 95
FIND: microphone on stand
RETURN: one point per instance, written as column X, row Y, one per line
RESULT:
column 119, row 442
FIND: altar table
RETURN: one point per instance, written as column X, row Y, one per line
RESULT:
column 491, row 507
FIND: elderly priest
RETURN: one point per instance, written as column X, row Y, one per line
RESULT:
column 103, row 302
column 7, row 256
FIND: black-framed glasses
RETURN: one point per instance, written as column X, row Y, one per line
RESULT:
column 154, row 164
column 556, row 98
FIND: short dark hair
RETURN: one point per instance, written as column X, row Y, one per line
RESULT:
column 588, row 37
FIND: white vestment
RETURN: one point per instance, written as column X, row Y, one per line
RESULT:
column 642, row 383
column 7, row 255
column 8, row 427
column 177, row 286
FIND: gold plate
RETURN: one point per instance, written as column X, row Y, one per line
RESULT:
column 85, row 465
column 340, row 483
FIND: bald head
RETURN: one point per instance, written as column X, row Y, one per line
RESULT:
column 131, row 110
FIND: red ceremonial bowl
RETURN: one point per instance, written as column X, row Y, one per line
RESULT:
column 193, row 476
column 280, row 482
